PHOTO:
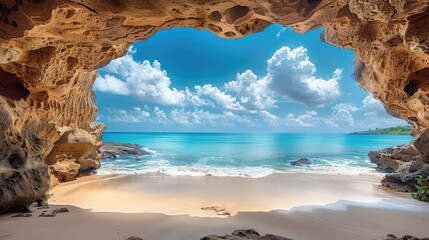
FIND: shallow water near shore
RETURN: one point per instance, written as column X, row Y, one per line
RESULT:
column 247, row 155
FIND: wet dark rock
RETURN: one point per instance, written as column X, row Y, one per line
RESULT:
column 393, row 181
column 248, row 234
column 406, row 237
column 134, row 238
column 224, row 213
column 60, row 210
column 22, row 215
column 301, row 161
column 47, row 215
column 110, row 150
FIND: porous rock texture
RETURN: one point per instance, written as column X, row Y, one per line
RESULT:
column 50, row 50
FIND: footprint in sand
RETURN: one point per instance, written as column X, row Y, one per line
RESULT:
column 218, row 210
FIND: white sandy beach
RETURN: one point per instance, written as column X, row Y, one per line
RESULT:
column 160, row 207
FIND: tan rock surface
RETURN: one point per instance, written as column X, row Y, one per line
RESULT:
column 50, row 49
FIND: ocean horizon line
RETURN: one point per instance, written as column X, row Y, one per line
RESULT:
column 244, row 133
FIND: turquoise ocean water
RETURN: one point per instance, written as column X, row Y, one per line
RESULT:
column 247, row 155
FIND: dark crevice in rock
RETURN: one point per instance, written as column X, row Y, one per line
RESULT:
column 314, row 2
column 417, row 80
column 16, row 160
column 236, row 12
column 412, row 87
column 215, row 16
column 5, row 11
column 11, row 86
column 83, row 5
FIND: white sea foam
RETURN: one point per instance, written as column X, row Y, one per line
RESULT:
column 177, row 165
column 339, row 166
column 335, row 170
column 251, row 172
column 163, row 166
column 148, row 150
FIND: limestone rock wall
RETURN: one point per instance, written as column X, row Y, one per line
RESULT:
column 50, row 49
column 390, row 39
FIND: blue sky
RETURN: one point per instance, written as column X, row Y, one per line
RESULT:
column 274, row 81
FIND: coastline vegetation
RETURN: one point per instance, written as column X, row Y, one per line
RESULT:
column 422, row 193
column 399, row 130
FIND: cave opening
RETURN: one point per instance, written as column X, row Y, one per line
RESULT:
column 275, row 82
column 263, row 131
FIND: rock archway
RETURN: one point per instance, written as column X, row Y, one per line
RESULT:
column 49, row 51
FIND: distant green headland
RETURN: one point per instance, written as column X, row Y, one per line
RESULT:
column 399, row 130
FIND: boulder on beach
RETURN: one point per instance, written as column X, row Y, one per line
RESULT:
column 248, row 234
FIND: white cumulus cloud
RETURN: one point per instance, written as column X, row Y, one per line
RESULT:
column 308, row 119
column 221, row 98
column 373, row 106
column 146, row 81
column 252, row 92
column 270, row 118
column 245, row 100
column 202, row 117
column 128, row 116
column 291, row 75
column 160, row 116
column 369, row 114
column 112, row 85
column 342, row 115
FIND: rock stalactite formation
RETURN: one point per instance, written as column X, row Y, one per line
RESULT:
column 50, row 50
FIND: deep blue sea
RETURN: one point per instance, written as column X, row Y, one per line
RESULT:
column 247, row 155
